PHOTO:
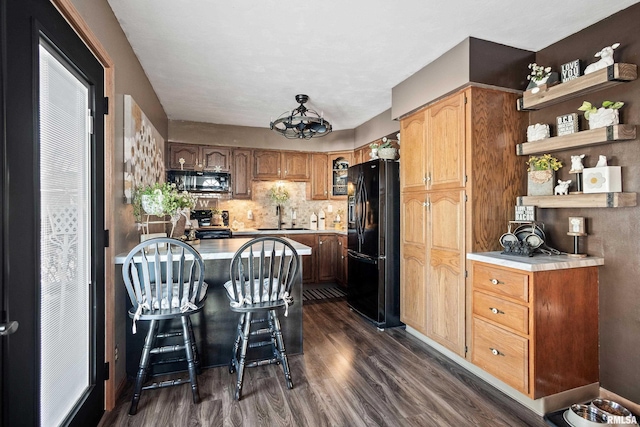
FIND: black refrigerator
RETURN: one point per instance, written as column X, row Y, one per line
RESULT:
column 374, row 241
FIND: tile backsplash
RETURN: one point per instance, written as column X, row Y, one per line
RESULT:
column 264, row 209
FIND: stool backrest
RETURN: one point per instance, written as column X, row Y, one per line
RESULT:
column 264, row 269
column 164, row 273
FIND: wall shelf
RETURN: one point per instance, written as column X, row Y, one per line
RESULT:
column 554, row 94
column 579, row 139
column 592, row 200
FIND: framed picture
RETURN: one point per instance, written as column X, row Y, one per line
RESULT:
column 576, row 225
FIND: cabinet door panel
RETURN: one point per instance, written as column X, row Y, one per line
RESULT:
column 327, row 247
column 413, row 260
column 445, row 137
column 414, row 158
column 182, row 151
column 296, row 166
column 319, row 185
column 214, row 157
column 309, row 261
column 266, row 164
column 241, row 174
column 445, row 270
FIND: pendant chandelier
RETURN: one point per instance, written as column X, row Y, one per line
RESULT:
column 301, row 123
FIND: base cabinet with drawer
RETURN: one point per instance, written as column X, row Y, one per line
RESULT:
column 537, row 331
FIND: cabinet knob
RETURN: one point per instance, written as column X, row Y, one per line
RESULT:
column 426, row 204
column 321, row 242
column 495, row 310
column 496, row 352
column 286, row 172
column 278, row 171
column 496, row 282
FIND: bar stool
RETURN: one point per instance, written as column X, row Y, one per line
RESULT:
column 165, row 280
column 262, row 272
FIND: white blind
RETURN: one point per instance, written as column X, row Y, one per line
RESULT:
column 65, row 240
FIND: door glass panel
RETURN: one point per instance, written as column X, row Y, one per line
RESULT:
column 65, row 241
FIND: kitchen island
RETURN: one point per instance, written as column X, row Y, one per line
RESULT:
column 215, row 326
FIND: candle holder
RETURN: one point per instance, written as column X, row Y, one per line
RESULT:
column 576, row 230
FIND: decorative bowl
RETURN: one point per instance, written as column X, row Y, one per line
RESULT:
column 387, row 153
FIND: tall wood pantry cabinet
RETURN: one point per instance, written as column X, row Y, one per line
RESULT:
column 459, row 180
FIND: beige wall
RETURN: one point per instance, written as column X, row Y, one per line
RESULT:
column 243, row 136
column 129, row 79
column 379, row 126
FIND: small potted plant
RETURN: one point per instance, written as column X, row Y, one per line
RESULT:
column 162, row 199
column 541, row 174
column 374, row 150
column 387, row 150
column 607, row 115
column 216, row 216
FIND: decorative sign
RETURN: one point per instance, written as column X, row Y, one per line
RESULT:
column 525, row 213
column 570, row 70
column 576, row 225
column 567, row 124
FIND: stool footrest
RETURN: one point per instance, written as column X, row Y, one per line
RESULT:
column 168, row 383
column 169, row 334
column 261, row 331
column 259, row 344
column 167, row 349
column 262, row 362
column 169, row 360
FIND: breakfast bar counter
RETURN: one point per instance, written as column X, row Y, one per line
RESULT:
column 215, row 326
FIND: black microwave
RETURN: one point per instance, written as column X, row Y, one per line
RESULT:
column 208, row 182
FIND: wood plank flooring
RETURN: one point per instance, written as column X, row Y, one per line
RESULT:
column 350, row 374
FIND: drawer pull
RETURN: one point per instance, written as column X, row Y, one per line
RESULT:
column 496, row 352
column 495, row 310
column 496, row 282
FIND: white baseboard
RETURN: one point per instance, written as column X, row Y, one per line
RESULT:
column 541, row 406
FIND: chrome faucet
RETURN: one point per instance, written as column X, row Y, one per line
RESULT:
column 293, row 218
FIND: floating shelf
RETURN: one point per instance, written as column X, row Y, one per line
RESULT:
column 554, row 94
column 591, row 200
column 579, row 139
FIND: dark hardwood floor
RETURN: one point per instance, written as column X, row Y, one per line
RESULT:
column 350, row 374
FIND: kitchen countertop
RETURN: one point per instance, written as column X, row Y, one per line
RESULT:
column 224, row 248
column 253, row 231
column 536, row 262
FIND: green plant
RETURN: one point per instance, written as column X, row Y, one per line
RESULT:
column 386, row 143
column 278, row 193
column 374, row 145
column 166, row 195
column 591, row 109
column 216, row 211
column 538, row 72
column 544, row 162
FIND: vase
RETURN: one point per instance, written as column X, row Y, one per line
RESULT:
column 540, row 183
column 152, row 205
column 374, row 153
column 179, row 222
column 604, row 117
column 388, row 153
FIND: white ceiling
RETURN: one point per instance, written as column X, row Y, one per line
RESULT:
column 242, row 62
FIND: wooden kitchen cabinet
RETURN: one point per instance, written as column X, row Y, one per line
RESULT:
column 454, row 200
column 537, row 331
column 339, row 163
column 209, row 157
column 319, row 170
column 308, row 262
column 342, row 276
column 272, row 164
column 241, row 173
column 327, row 249
column 361, row 154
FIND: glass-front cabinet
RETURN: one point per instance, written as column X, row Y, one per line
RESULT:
column 339, row 165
